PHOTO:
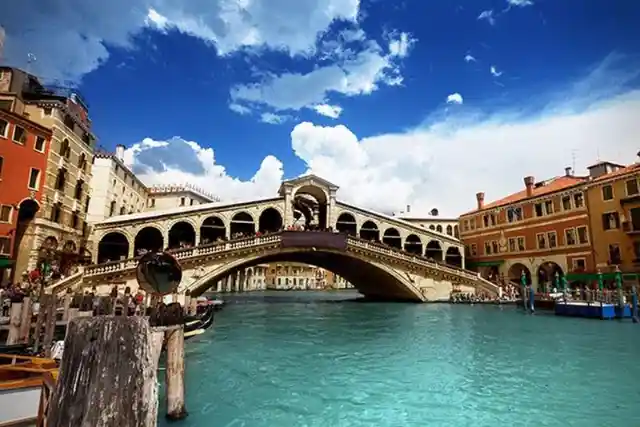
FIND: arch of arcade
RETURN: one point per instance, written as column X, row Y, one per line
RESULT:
column 382, row 256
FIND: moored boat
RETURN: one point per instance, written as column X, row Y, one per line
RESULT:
column 196, row 325
column 21, row 379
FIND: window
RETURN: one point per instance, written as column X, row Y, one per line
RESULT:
column 65, row 149
column 552, row 239
column 570, row 236
column 82, row 161
column 5, row 245
column 1, row 163
column 19, row 135
column 512, row 244
column 56, row 212
column 579, row 264
column 5, row 213
column 578, row 200
column 521, row 245
column 494, row 247
column 474, row 249
column 472, row 224
column 191, row 202
column 632, row 187
column 40, row 144
column 34, row 179
column 112, row 208
column 538, row 209
column 487, row 248
column 78, row 190
column 152, row 203
column 614, row 254
column 47, row 111
column 514, row 214
column 61, row 179
column 634, row 213
column 181, row 201
column 4, row 127
column 636, row 250
column 542, row 241
column 75, row 220
column 548, row 207
column 123, row 210
column 492, row 218
column 610, row 221
column 566, row 203
column 86, row 204
column 607, row 193
column 583, row 237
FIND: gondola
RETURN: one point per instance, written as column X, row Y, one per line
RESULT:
column 196, row 325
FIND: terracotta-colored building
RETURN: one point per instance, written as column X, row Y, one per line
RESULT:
column 613, row 199
column 24, row 147
column 541, row 230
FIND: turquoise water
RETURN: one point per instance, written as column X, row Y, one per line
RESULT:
column 296, row 359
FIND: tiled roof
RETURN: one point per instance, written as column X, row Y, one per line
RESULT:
column 550, row 186
column 619, row 173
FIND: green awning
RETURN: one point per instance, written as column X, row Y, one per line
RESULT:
column 5, row 262
column 593, row 277
column 486, row 263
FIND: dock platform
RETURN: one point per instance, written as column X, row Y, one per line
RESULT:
column 594, row 310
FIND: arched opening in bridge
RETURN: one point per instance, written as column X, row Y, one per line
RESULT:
column 212, row 230
column 547, row 273
column 149, row 239
column 515, row 273
column 449, row 230
column 182, row 235
column 270, row 221
column 311, row 202
column 242, row 225
column 434, row 251
column 346, row 223
column 453, row 256
column 374, row 280
column 439, row 228
column 413, row 244
column 392, row 237
column 456, row 233
column 369, row 231
column 113, row 247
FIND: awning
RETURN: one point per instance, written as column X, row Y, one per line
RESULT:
column 5, row 262
column 496, row 263
column 593, row 277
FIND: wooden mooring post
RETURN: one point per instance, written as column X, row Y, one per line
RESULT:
column 15, row 316
column 108, row 375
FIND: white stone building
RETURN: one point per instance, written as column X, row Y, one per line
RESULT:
column 162, row 197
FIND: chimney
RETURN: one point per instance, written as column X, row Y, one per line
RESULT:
column 480, row 199
column 529, row 182
column 568, row 171
column 408, row 208
column 120, row 152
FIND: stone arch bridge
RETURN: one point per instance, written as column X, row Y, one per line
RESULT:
column 383, row 256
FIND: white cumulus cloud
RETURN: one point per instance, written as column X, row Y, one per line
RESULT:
column 520, row 3
column 469, row 58
column 494, row 71
column 332, row 111
column 455, row 98
column 488, row 16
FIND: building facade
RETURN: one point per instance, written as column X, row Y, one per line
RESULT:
column 60, row 227
column 541, row 231
column 613, row 198
column 433, row 221
column 24, row 147
column 163, row 197
column 115, row 190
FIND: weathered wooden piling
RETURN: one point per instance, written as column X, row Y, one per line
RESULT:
column 108, row 375
column 50, row 324
column 25, row 321
column 175, row 374
column 15, row 315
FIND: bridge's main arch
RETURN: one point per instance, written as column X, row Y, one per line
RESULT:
column 372, row 279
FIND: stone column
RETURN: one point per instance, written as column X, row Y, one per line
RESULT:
column 331, row 207
column 288, row 206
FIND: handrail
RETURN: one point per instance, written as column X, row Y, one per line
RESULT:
column 65, row 283
column 268, row 239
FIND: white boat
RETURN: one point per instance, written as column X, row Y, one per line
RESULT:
column 21, row 379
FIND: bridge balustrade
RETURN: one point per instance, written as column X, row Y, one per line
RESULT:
column 268, row 239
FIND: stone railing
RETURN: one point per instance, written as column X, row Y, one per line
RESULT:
column 386, row 250
column 231, row 246
column 185, row 253
column 67, row 282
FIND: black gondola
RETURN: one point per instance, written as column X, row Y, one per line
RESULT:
column 196, row 325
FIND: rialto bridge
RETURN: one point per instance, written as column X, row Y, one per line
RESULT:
column 383, row 256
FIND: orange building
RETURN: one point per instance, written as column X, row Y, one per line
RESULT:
column 541, row 230
column 24, row 147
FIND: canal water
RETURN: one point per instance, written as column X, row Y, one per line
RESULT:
column 314, row 360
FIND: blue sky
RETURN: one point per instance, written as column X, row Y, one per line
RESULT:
column 419, row 103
